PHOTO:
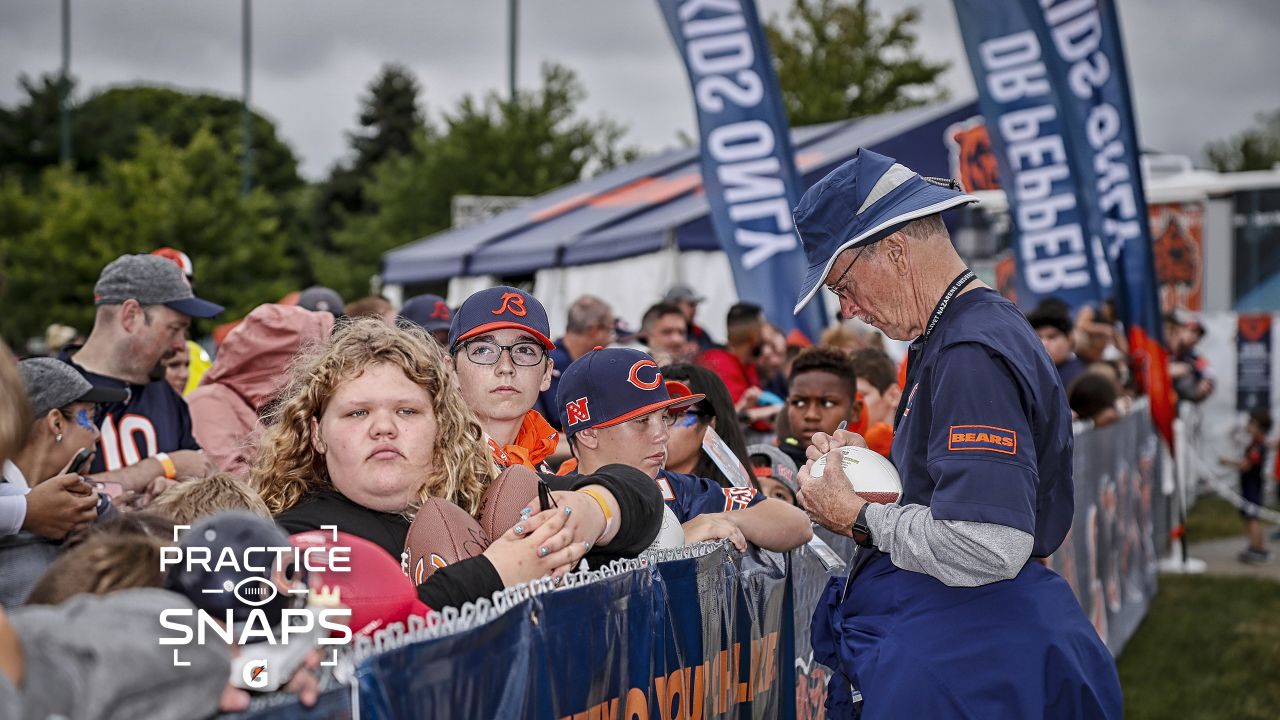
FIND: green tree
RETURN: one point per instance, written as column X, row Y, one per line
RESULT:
column 30, row 137
column 1257, row 148
column 107, row 125
column 838, row 60
column 390, row 117
column 56, row 235
column 486, row 146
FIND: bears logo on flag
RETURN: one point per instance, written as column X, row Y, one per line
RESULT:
column 972, row 159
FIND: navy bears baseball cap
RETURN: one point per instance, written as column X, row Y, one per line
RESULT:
column 865, row 200
column 500, row 307
column 429, row 312
column 608, row 387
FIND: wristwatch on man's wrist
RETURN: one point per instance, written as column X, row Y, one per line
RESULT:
column 861, row 533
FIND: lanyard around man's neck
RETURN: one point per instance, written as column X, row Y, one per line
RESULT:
column 916, row 348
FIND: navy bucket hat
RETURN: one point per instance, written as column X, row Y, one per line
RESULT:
column 864, row 200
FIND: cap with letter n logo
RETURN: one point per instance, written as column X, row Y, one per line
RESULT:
column 619, row 384
column 500, row 307
column 577, row 411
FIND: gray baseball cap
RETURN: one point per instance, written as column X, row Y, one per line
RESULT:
column 52, row 384
column 682, row 293
column 320, row 298
column 151, row 280
column 780, row 466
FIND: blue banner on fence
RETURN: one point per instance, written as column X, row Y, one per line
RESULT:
column 1120, row 528
column 703, row 637
column 748, row 169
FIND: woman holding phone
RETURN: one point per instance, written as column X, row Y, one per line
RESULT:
column 42, row 496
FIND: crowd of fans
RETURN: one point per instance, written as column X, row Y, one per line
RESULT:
column 1091, row 354
column 313, row 412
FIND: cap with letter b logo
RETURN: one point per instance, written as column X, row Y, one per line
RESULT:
column 430, row 312
column 610, row 386
column 500, row 307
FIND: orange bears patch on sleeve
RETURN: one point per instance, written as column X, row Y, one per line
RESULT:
column 982, row 437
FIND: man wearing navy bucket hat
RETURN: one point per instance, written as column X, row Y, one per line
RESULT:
column 947, row 611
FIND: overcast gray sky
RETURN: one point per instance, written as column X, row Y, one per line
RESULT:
column 1200, row 70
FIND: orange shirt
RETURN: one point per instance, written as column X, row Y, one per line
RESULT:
column 535, row 441
column 879, row 437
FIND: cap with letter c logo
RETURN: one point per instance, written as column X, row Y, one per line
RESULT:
column 610, row 386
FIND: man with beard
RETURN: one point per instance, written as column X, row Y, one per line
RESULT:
column 144, row 305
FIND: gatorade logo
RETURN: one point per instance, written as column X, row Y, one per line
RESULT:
column 633, row 377
column 441, row 311
column 982, row 437
column 512, row 303
column 577, row 411
column 254, row 674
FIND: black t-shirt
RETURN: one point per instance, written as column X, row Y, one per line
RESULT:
column 639, row 500
column 450, row 586
column 1254, row 455
column 330, row 507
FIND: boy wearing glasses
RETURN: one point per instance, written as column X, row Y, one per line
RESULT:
column 499, row 343
column 615, row 407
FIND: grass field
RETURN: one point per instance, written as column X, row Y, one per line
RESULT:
column 1211, row 518
column 1209, row 649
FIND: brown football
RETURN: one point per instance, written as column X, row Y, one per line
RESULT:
column 512, row 491
column 441, row 534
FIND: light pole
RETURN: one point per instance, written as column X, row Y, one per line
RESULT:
column 64, row 103
column 246, row 117
column 513, row 16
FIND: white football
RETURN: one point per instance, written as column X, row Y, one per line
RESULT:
column 670, row 535
column 872, row 476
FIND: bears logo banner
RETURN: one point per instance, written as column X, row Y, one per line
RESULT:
column 748, row 169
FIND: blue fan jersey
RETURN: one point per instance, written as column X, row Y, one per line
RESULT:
column 689, row 496
column 151, row 420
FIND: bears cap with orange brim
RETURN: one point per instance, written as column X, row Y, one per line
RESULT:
column 497, row 308
column 608, row 387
